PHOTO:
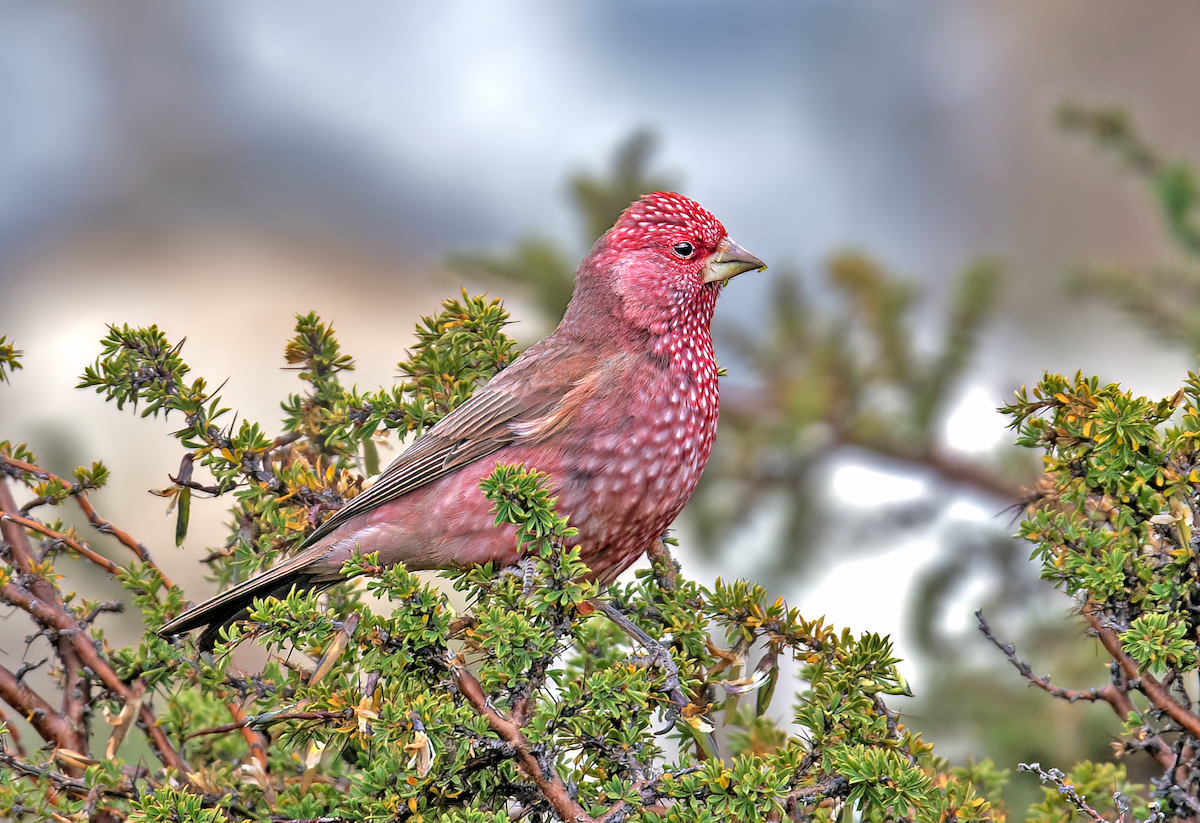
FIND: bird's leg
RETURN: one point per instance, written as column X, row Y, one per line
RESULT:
column 658, row 655
column 526, row 569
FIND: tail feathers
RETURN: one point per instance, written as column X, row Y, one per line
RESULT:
column 233, row 605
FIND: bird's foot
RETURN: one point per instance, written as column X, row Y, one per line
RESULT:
column 526, row 570
column 658, row 656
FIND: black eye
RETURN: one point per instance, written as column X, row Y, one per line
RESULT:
column 683, row 249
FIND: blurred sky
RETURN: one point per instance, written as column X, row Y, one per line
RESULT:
column 172, row 162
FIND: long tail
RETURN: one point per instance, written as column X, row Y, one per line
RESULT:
column 230, row 606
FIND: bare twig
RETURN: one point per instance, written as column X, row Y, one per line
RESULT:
column 1116, row 697
column 1064, row 788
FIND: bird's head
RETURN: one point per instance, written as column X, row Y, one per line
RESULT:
column 664, row 260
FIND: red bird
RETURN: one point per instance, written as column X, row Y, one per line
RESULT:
column 618, row 406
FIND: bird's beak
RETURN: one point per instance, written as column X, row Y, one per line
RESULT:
column 730, row 260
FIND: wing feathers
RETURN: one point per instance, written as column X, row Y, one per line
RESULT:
column 493, row 418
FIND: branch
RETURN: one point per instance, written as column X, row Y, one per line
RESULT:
column 255, row 739
column 81, row 549
column 74, row 691
column 98, row 523
column 68, row 785
column 551, row 787
column 73, row 637
column 1146, row 683
column 1064, row 788
column 52, row 726
column 262, row 721
column 1109, row 693
column 953, row 470
column 833, row 787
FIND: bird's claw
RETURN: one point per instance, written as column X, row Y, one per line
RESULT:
column 526, row 570
column 658, row 657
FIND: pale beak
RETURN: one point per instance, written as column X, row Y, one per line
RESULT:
column 730, row 260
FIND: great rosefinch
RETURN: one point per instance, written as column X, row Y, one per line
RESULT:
column 618, row 406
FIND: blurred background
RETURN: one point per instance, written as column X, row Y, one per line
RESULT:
column 937, row 237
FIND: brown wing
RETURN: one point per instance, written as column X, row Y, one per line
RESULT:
column 529, row 401
column 518, row 403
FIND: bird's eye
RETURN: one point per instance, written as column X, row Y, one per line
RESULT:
column 683, row 249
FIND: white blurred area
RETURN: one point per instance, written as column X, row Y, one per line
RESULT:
column 217, row 168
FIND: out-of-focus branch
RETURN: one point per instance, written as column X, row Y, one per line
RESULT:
column 953, row 470
column 950, row 469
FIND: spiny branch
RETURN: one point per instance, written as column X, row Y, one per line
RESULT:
column 77, row 650
column 97, row 522
column 1110, row 693
column 82, row 549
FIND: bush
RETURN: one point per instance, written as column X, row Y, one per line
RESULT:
column 531, row 704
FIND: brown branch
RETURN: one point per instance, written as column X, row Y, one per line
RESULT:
column 13, row 731
column 1146, row 683
column 255, row 739
column 18, row 542
column 74, row 638
column 957, row 472
column 1116, row 697
column 98, row 523
column 666, row 570
column 21, row 551
column 54, row 727
column 747, row 405
column 74, row 545
column 551, row 787
column 73, row 642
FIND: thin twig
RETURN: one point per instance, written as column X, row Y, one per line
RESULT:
column 82, row 549
column 1026, row 671
column 64, row 783
column 75, row 638
column 21, row 552
column 98, row 523
column 1064, row 788
column 1116, row 697
column 262, row 721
